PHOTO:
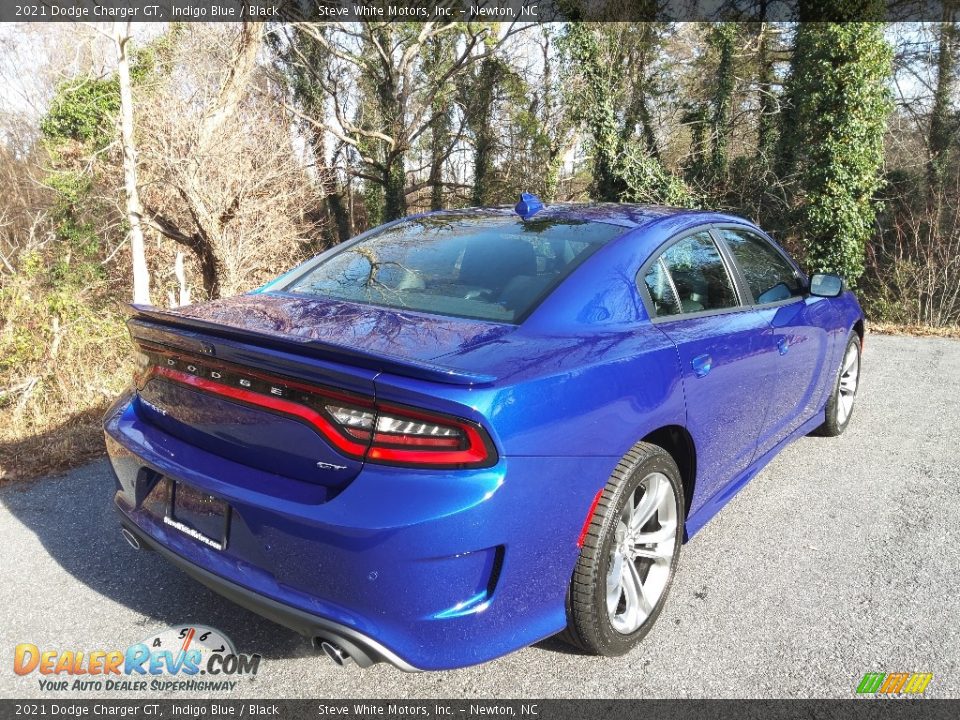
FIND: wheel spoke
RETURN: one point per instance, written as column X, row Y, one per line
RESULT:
column 649, row 503
column 653, row 537
column 633, row 589
column 847, row 401
column 658, row 553
column 614, row 583
column 850, row 364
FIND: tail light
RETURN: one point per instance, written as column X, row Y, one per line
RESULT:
column 356, row 425
column 400, row 435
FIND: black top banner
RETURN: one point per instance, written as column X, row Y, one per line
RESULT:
column 518, row 11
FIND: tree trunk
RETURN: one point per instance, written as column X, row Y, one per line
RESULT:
column 723, row 38
column 436, row 177
column 141, row 275
column 483, row 99
column 394, row 188
column 482, row 167
column 766, row 125
column 438, row 56
column 638, row 110
column 341, row 217
column 211, row 269
column 333, row 195
column 939, row 138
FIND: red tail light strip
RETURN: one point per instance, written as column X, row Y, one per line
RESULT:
column 271, row 403
column 471, row 448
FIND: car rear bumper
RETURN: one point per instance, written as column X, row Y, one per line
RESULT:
column 365, row 651
column 425, row 569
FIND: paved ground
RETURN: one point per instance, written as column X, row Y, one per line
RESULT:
column 843, row 556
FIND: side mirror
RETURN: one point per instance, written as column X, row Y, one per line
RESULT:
column 826, row 285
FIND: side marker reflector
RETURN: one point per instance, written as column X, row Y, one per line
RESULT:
column 586, row 523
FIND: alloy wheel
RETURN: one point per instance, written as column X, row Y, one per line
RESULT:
column 849, row 378
column 642, row 553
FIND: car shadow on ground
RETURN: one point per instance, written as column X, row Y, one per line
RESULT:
column 73, row 517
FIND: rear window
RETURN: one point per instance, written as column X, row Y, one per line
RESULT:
column 483, row 267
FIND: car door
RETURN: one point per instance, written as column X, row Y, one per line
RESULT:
column 725, row 351
column 799, row 325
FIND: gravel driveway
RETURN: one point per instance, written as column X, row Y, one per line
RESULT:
column 841, row 557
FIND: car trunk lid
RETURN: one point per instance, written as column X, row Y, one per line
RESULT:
column 253, row 378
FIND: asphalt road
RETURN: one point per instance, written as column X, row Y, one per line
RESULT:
column 842, row 557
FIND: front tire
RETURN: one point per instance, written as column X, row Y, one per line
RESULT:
column 629, row 556
column 840, row 404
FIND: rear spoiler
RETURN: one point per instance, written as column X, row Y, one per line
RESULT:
column 174, row 330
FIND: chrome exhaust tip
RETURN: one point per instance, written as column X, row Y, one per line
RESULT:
column 336, row 653
column 130, row 538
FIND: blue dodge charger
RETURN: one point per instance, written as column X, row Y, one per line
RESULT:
column 465, row 431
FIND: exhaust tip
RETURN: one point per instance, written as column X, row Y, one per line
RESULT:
column 130, row 538
column 335, row 653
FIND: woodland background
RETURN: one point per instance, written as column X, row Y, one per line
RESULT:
column 252, row 147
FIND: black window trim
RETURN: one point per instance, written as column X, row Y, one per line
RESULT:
column 741, row 278
column 673, row 287
column 732, row 272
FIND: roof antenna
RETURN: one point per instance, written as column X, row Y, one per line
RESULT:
column 528, row 206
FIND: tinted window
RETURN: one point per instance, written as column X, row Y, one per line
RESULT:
column 767, row 272
column 484, row 266
column 699, row 277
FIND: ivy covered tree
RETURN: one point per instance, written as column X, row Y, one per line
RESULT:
column 439, row 54
column 832, row 138
column 624, row 169
column 77, row 127
column 723, row 38
column 598, row 111
column 480, row 92
column 942, row 135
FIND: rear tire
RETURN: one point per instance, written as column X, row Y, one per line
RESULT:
column 629, row 556
column 840, row 404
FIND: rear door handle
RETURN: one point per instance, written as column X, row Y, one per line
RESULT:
column 702, row 364
column 783, row 344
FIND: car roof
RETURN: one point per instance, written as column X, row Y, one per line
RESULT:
column 625, row 215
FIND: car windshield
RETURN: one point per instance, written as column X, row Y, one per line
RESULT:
column 486, row 267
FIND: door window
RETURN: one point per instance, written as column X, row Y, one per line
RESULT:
column 690, row 277
column 768, row 274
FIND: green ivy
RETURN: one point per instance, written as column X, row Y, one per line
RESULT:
column 82, row 110
column 597, row 110
column 623, row 171
column 833, row 138
column 723, row 38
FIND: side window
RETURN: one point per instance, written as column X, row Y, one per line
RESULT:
column 699, row 279
column 770, row 277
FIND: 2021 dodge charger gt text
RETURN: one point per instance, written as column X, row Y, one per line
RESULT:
column 465, row 431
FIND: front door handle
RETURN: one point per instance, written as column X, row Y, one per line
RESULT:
column 702, row 364
column 783, row 344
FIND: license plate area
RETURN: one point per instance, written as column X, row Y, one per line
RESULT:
column 203, row 517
